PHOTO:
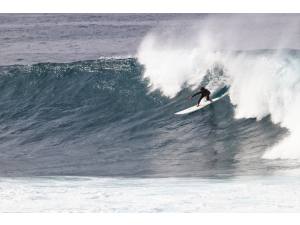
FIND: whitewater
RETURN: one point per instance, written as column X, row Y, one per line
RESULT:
column 87, row 107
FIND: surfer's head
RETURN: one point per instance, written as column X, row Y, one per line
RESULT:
column 202, row 88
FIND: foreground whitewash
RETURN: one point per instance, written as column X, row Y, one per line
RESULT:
column 75, row 194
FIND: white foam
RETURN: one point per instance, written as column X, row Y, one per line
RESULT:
column 260, row 84
column 82, row 194
column 169, row 66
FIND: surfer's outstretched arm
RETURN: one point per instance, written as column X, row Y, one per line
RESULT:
column 198, row 93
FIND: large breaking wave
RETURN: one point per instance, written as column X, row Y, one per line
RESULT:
column 261, row 82
column 99, row 118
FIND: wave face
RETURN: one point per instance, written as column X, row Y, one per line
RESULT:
column 99, row 118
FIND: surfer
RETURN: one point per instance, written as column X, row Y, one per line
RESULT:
column 204, row 93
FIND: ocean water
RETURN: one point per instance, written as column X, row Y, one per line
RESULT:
column 87, row 105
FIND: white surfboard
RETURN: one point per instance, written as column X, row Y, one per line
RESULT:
column 203, row 104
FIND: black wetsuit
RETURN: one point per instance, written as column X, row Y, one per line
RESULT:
column 204, row 93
